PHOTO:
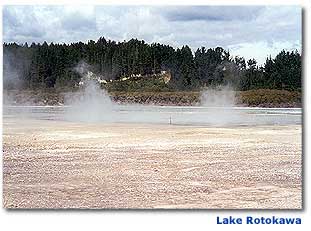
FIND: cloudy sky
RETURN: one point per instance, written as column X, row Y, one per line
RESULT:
column 249, row 31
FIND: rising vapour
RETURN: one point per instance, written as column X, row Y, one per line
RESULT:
column 90, row 103
column 93, row 104
column 11, row 77
column 221, row 96
column 220, row 102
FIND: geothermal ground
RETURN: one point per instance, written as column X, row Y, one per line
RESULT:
column 59, row 164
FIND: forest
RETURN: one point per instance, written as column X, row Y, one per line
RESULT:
column 45, row 66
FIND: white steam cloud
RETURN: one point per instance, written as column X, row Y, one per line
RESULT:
column 90, row 103
column 93, row 104
column 221, row 96
column 220, row 103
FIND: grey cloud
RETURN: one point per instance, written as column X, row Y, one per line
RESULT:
column 211, row 13
column 10, row 18
column 76, row 21
column 210, row 26
column 17, row 23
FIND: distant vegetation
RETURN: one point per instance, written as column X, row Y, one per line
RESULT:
column 257, row 98
column 51, row 66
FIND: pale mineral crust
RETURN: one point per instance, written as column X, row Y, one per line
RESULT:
column 54, row 164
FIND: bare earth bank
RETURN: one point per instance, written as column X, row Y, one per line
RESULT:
column 53, row 164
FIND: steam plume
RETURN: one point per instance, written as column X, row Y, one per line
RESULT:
column 90, row 103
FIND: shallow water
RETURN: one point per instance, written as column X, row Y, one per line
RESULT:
column 176, row 115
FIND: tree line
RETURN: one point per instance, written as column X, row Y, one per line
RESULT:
column 52, row 65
